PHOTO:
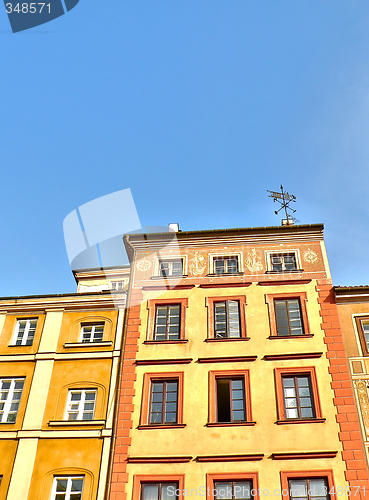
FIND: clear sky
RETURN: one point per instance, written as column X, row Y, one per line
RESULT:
column 198, row 106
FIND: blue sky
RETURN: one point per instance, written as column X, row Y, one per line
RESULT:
column 199, row 107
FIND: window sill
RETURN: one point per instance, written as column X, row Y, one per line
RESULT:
column 20, row 345
column 301, row 421
column 179, row 341
column 229, row 424
column 285, row 272
column 228, row 359
column 161, row 426
column 227, row 339
column 160, row 277
column 290, row 337
column 76, row 423
column 214, row 275
column 106, row 343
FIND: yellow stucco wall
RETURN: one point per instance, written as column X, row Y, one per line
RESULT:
column 8, row 449
column 265, row 437
column 347, row 313
column 8, row 330
column 71, row 326
column 65, row 457
column 76, row 374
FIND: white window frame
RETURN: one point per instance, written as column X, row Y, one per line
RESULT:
column 26, row 331
column 168, row 258
column 282, row 251
column 7, row 410
column 225, row 255
column 92, row 334
column 68, row 491
column 117, row 286
column 81, row 403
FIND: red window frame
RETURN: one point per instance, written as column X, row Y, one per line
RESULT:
column 229, row 374
column 302, row 297
column 309, row 371
column 146, row 392
column 210, row 304
column 151, row 306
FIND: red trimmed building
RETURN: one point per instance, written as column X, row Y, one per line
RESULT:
column 234, row 382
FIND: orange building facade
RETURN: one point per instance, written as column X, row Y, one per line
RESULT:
column 59, row 359
column 234, row 381
column 353, row 308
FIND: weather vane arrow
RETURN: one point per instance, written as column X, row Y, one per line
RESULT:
column 284, row 199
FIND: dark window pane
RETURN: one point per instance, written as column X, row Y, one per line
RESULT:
column 242, row 490
column 219, row 266
column 61, row 485
column 223, row 491
column 77, row 484
column 150, row 492
column 223, row 400
column 168, row 491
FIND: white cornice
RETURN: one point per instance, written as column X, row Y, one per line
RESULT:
column 69, row 303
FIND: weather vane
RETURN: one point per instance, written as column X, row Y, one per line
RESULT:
column 284, row 199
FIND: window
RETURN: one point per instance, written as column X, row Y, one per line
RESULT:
column 283, row 262
column 288, row 317
column 25, row 331
column 230, row 400
column 164, row 402
column 236, row 486
column 297, row 395
column 362, row 324
column 162, row 487
column 227, row 319
column 167, row 322
column 277, row 262
column 225, row 265
column 81, row 404
column 10, row 396
column 308, row 489
column 117, row 285
column 67, row 488
column 233, row 490
column 159, row 491
column 171, row 267
column 92, row 333
column 229, row 397
column 307, row 485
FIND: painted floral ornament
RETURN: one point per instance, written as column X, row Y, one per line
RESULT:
column 143, row 265
column 310, row 256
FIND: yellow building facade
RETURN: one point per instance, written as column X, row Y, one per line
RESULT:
column 59, row 359
column 353, row 308
column 234, row 381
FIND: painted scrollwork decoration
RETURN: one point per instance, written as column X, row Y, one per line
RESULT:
column 362, row 392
